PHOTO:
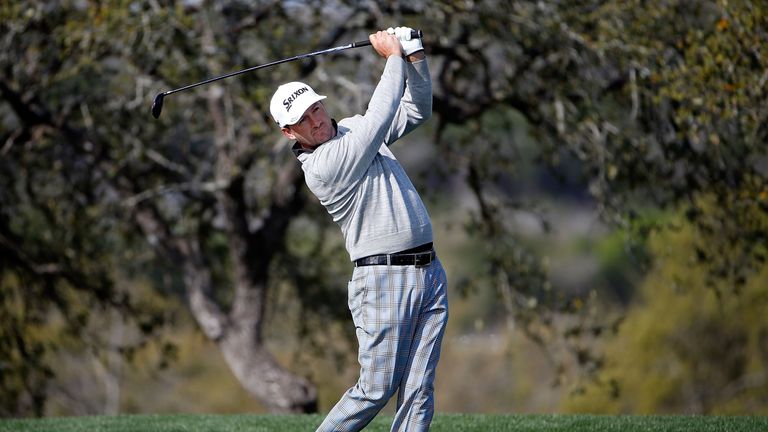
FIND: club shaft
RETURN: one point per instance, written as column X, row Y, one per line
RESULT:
column 276, row 62
column 157, row 104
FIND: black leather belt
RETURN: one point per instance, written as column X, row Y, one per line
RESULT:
column 420, row 257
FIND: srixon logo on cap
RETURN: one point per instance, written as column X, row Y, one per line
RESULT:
column 288, row 102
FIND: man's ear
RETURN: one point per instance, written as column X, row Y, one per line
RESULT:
column 287, row 132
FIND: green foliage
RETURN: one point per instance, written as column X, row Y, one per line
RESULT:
column 662, row 123
column 23, row 368
column 60, row 240
column 76, row 163
column 659, row 101
column 653, row 104
column 691, row 343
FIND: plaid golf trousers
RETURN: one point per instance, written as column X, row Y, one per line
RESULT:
column 400, row 314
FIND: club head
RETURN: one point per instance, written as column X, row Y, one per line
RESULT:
column 157, row 105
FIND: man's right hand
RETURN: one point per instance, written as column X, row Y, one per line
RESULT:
column 386, row 44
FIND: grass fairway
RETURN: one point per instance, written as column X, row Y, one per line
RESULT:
column 442, row 422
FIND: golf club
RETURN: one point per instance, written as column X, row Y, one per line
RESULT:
column 157, row 104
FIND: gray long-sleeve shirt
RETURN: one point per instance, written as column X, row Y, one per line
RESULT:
column 358, row 179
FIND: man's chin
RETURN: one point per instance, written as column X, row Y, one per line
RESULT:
column 321, row 137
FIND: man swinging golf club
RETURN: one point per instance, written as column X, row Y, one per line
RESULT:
column 397, row 294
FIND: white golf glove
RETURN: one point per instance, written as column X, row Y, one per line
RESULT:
column 403, row 34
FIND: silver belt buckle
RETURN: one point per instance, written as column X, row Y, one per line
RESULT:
column 418, row 258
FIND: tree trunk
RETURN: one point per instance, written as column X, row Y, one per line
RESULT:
column 238, row 335
column 238, row 331
column 259, row 373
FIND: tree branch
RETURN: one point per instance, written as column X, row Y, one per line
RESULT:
column 208, row 187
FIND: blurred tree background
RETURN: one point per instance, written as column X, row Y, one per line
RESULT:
column 596, row 173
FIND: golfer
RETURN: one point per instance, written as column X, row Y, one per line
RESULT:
column 397, row 294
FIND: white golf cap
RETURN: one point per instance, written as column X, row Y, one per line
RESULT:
column 290, row 101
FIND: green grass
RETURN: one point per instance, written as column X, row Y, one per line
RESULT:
column 442, row 422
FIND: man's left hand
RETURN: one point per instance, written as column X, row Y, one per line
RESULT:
column 403, row 34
